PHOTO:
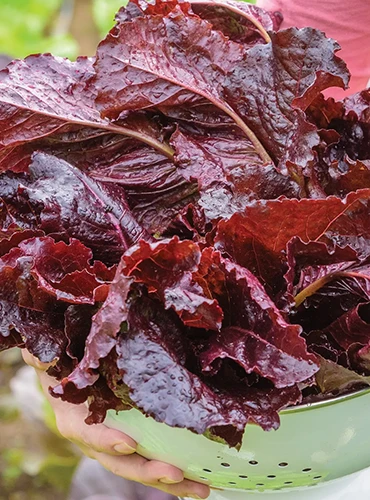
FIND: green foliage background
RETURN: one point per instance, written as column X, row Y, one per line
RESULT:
column 24, row 29
column 35, row 462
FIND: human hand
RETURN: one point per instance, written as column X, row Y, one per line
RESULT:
column 114, row 450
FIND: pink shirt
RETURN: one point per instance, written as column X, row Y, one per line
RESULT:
column 347, row 22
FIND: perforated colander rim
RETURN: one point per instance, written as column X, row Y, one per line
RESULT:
column 297, row 467
column 326, row 402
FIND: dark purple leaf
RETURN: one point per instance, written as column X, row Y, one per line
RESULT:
column 46, row 98
column 340, row 281
column 198, row 114
column 228, row 170
column 60, row 200
column 41, row 334
column 13, row 234
column 257, row 354
column 12, row 340
column 40, row 272
column 300, row 63
column 166, row 268
column 351, row 328
column 246, row 245
column 77, row 325
column 151, row 357
column 329, row 220
column 184, row 63
column 311, row 261
column 322, row 112
column 101, row 340
column 356, row 176
column 155, row 188
column 357, row 107
column 346, row 341
column 247, row 306
column 241, row 22
column 344, row 153
column 89, row 148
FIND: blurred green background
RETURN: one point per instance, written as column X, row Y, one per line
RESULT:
column 57, row 26
column 35, row 462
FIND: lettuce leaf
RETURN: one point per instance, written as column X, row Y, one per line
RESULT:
column 184, row 218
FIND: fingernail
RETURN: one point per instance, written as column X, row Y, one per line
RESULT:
column 124, row 448
column 168, row 480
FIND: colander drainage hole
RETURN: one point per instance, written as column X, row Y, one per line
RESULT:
column 260, row 484
column 207, row 470
column 253, row 462
column 283, row 464
column 317, row 477
column 231, row 482
column 288, row 482
column 243, row 477
column 307, row 470
column 205, row 479
column 271, row 476
column 224, row 464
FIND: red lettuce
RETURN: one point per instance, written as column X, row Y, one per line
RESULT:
column 166, row 269
column 184, row 218
column 56, row 198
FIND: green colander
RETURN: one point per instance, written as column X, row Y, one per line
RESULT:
column 315, row 443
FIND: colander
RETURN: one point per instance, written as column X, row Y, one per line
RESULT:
column 314, row 444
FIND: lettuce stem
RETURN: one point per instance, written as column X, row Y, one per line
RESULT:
column 316, row 285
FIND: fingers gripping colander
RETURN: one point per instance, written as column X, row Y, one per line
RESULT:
column 315, row 443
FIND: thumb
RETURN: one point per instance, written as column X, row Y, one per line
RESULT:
column 31, row 360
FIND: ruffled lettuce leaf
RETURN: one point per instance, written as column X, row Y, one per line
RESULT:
column 196, row 152
column 58, row 199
